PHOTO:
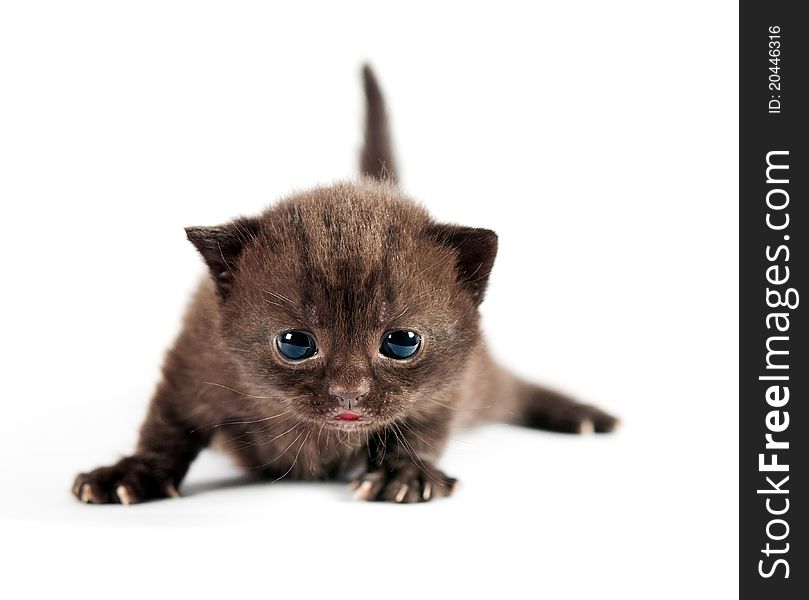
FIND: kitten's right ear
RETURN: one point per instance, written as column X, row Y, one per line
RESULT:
column 476, row 249
column 221, row 248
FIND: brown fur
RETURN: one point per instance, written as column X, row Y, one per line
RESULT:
column 346, row 263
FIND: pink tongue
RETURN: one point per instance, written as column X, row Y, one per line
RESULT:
column 348, row 416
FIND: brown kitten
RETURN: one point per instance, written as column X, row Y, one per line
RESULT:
column 337, row 336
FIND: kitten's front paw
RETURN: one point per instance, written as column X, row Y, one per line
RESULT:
column 130, row 480
column 404, row 484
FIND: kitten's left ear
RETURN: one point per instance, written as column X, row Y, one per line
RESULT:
column 476, row 249
column 221, row 248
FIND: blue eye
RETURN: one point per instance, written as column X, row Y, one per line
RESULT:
column 296, row 345
column 400, row 344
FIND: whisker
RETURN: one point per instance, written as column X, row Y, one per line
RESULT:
column 237, row 391
column 267, row 464
column 297, row 454
column 272, row 439
column 247, row 422
column 414, row 432
column 414, row 456
column 280, row 297
column 266, row 430
column 455, row 408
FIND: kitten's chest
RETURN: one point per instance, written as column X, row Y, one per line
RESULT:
column 292, row 450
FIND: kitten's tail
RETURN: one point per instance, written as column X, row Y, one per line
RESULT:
column 495, row 394
column 376, row 159
column 544, row 408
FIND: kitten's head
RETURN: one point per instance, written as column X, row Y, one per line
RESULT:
column 349, row 303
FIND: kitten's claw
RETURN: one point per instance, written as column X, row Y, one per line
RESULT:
column 124, row 496
column 368, row 487
column 404, row 484
column 400, row 495
column 86, row 495
column 133, row 479
column 363, row 490
column 586, row 427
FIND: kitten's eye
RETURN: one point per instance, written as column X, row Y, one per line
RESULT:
column 400, row 344
column 296, row 345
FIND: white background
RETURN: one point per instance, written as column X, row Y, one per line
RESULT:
column 599, row 139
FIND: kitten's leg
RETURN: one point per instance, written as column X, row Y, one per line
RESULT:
column 402, row 463
column 165, row 451
column 547, row 409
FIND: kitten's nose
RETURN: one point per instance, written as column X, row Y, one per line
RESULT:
column 349, row 395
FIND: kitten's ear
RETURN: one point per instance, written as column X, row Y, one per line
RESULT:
column 221, row 248
column 476, row 250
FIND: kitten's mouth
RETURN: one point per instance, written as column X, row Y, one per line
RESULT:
column 349, row 420
column 349, row 416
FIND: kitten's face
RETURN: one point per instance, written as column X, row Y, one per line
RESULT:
column 347, row 304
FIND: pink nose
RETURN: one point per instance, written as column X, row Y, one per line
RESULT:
column 349, row 396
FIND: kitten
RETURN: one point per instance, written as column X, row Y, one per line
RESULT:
column 336, row 337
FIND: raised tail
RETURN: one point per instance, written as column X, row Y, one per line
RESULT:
column 376, row 159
